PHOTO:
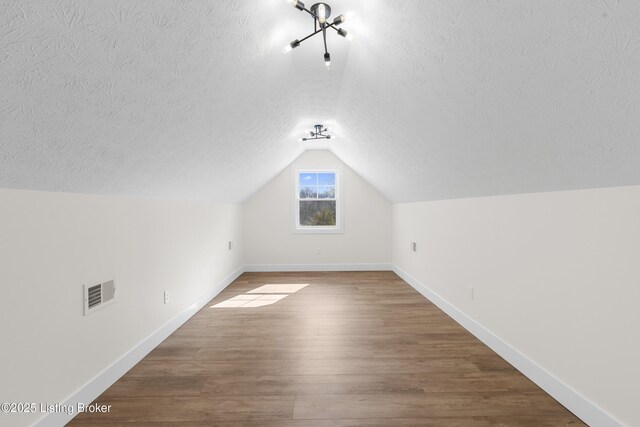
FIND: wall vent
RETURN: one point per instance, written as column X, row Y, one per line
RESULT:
column 98, row 296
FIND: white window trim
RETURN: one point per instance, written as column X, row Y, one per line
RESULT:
column 318, row 229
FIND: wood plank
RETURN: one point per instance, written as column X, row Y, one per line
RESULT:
column 204, row 407
column 391, row 405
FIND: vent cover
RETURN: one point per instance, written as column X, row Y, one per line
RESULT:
column 98, row 296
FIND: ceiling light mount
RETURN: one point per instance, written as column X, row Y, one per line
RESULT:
column 318, row 132
column 320, row 13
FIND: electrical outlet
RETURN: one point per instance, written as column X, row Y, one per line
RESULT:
column 414, row 247
column 317, row 251
column 229, row 244
column 166, row 297
column 471, row 292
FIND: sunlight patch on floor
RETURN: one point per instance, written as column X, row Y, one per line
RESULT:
column 288, row 288
column 264, row 295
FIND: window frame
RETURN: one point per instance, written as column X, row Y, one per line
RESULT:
column 326, row 229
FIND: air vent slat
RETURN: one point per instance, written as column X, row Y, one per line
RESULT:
column 95, row 295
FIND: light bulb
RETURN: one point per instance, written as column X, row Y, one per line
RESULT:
column 296, row 3
column 327, row 59
column 338, row 20
column 322, row 13
column 288, row 48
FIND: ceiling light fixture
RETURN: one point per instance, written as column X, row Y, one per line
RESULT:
column 317, row 133
column 320, row 13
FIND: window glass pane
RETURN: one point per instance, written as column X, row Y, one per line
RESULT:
column 326, row 192
column 327, row 178
column 308, row 192
column 318, row 213
column 308, row 179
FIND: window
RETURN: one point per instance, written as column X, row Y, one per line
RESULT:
column 317, row 201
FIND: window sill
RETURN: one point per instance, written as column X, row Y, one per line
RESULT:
column 300, row 230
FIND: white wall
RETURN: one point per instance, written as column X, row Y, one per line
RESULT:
column 556, row 276
column 51, row 244
column 269, row 222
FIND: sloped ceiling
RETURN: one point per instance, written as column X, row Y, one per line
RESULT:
column 433, row 99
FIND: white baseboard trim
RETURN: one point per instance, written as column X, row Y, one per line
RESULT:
column 260, row 268
column 582, row 407
column 98, row 384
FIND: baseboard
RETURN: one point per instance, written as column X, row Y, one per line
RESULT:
column 582, row 407
column 97, row 385
column 317, row 267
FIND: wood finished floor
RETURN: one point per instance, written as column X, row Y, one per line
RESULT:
column 349, row 349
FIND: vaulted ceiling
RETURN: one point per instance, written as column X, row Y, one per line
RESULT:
column 433, row 99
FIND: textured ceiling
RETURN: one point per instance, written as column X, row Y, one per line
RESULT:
column 433, row 99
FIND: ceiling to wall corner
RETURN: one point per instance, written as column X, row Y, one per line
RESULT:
column 432, row 100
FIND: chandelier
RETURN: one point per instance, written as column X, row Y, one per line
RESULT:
column 320, row 13
column 317, row 133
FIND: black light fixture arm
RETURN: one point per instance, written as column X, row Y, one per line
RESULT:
column 316, row 32
column 324, row 38
column 310, row 13
column 334, row 27
column 301, row 7
column 310, row 35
